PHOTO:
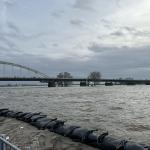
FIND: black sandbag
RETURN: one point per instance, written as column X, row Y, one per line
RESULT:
column 12, row 114
column 42, row 123
column 8, row 114
column 104, row 142
column 81, row 134
column 109, row 143
column 27, row 117
column 36, row 117
column 60, row 130
column 92, row 140
column 18, row 113
column 17, row 117
column 39, row 120
column 3, row 109
column 21, row 116
column 4, row 112
column 52, row 126
column 65, row 130
column 133, row 146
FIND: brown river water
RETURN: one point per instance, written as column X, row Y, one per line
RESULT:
column 123, row 111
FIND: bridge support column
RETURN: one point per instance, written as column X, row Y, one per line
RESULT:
column 84, row 83
column 108, row 84
column 51, row 84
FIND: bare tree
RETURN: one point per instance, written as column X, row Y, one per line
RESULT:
column 64, row 75
column 94, row 76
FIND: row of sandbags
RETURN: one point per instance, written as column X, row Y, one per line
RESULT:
column 103, row 141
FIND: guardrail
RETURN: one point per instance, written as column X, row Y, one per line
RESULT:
column 6, row 145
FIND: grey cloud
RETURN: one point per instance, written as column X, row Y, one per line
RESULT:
column 7, row 44
column 34, row 36
column 83, row 4
column 120, row 32
column 13, row 35
column 131, row 61
column 42, row 45
column 7, row 38
column 76, row 22
column 55, row 44
column 112, row 62
column 5, row 49
column 9, row 2
column 130, row 29
column 97, row 48
column 106, row 23
column 117, row 33
column 13, row 27
column 13, row 31
column 123, row 31
column 121, row 61
column 57, row 14
column 134, row 31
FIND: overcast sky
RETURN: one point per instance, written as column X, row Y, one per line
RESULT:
column 78, row 36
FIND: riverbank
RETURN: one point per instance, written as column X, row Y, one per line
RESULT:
column 24, row 135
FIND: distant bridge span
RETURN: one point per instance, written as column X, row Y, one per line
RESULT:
column 55, row 81
column 24, row 67
column 74, row 80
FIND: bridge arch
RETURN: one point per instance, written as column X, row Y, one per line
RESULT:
column 25, row 68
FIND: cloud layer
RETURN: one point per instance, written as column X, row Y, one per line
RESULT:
column 111, row 36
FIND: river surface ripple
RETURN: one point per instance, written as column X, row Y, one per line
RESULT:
column 123, row 111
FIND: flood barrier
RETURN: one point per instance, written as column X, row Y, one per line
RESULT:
column 76, row 133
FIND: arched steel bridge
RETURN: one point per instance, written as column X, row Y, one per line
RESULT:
column 51, row 81
column 25, row 68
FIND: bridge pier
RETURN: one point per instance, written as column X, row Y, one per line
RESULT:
column 147, row 83
column 84, row 83
column 51, row 84
column 109, row 84
column 63, row 83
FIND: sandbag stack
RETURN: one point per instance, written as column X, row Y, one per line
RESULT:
column 76, row 133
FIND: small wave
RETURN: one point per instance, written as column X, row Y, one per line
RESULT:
column 116, row 108
column 137, row 127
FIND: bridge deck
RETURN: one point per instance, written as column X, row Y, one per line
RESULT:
column 73, row 79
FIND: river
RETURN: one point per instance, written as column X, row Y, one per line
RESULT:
column 123, row 111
